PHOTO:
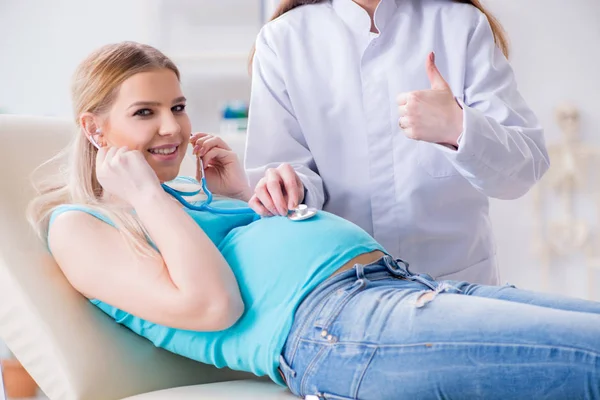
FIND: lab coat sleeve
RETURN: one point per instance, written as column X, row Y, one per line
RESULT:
column 502, row 150
column 274, row 134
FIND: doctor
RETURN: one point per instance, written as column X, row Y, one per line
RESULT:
column 402, row 116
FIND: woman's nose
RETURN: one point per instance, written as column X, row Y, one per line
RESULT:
column 169, row 126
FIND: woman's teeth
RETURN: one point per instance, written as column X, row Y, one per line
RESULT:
column 165, row 151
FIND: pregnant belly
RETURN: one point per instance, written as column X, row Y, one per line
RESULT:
column 364, row 259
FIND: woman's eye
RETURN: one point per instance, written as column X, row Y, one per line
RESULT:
column 179, row 108
column 143, row 112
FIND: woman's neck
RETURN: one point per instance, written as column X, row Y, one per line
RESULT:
column 370, row 6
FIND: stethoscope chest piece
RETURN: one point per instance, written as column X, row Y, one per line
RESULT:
column 302, row 212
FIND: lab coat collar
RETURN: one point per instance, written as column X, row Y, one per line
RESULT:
column 358, row 19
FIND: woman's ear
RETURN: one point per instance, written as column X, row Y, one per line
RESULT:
column 90, row 126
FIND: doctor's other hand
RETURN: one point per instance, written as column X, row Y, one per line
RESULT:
column 279, row 191
column 126, row 174
column 222, row 169
column 431, row 115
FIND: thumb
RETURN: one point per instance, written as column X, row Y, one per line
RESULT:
column 435, row 77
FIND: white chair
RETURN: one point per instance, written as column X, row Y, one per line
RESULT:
column 71, row 349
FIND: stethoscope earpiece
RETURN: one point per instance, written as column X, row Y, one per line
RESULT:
column 93, row 140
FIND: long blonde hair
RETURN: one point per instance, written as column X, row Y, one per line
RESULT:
column 499, row 33
column 95, row 85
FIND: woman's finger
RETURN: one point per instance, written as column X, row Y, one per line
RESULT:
column 101, row 156
column 402, row 111
column 206, row 143
column 198, row 144
column 402, row 98
column 217, row 154
column 405, row 123
column 290, row 182
column 262, row 193
column 110, row 155
column 258, row 207
column 275, row 187
column 194, row 138
column 409, row 133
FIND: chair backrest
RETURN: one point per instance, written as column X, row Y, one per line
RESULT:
column 70, row 348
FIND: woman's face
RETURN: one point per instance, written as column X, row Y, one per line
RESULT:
column 148, row 114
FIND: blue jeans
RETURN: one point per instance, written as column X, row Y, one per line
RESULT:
column 381, row 332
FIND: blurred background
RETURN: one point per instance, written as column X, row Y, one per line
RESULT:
column 543, row 243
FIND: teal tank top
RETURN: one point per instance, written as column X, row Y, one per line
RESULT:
column 277, row 262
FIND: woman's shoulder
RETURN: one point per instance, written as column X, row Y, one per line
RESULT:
column 303, row 12
column 68, row 223
column 296, row 21
column 456, row 10
column 78, row 209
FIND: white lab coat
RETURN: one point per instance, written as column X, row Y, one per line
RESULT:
column 323, row 100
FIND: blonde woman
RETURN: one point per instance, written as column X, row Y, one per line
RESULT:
column 317, row 305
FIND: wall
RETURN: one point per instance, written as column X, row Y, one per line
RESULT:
column 556, row 53
column 41, row 43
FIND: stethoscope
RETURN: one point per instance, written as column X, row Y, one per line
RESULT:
column 300, row 213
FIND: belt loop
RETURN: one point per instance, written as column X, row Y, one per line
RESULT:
column 395, row 268
column 400, row 261
column 360, row 271
column 285, row 368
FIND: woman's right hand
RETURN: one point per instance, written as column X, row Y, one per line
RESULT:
column 126, row 174
column 222, row 169
column 279, row 191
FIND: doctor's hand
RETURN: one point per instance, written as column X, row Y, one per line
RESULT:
column 279, row 191
column 222, row 169
column 431, row 115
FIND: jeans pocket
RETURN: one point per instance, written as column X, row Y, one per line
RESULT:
column 334, row 304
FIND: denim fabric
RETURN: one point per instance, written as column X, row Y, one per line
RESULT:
column 381, row 332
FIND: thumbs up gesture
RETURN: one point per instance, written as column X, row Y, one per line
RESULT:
column 431, row 115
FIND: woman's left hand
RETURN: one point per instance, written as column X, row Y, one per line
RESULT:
column 431, row 115
column 222, row 169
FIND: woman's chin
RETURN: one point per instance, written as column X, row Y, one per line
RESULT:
column 167, row 175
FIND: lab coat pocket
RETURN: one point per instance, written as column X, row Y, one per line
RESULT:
column 433, row 161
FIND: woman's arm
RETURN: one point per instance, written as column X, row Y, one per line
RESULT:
column 274, row 134
column 188, row 286
column 501, row 150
